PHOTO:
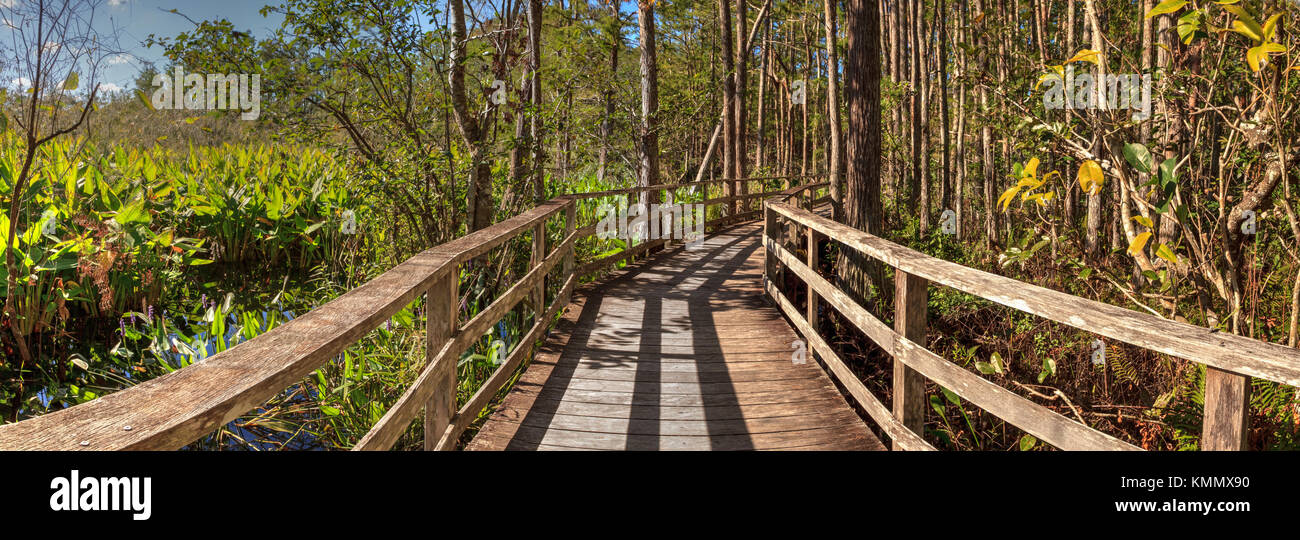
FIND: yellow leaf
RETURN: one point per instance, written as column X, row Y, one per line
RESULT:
column 1140, row 242
column 1090, row 177
column 1248, row 30
column 1143, row 221
column 1270, row 27
column 1168, row 6
column 1167, row 254
column 1256, row 57
column 1031, row 168
column 1056, row 72
column 1085, row 55
column 1007, row 196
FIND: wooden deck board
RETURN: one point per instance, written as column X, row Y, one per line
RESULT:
column 679, row 352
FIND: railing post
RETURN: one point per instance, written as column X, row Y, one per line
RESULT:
column 1227, row 410
column 813, row 298
column 441, row 302
column 570, row 225
column 539, row 255
column 769, row 235
column 910, row 322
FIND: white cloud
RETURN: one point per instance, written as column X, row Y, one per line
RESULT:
column 109, row 88
column 118, row 59
column 20, row 83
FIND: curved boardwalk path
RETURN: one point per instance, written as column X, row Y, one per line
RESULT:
column 678, row 352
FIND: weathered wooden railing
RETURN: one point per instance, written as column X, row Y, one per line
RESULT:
column 1230, row 360
column 178, row 408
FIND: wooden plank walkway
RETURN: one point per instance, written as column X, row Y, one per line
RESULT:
column 678, row 352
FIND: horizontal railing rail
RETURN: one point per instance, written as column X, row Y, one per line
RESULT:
column 180, row 407
column 1230, row 359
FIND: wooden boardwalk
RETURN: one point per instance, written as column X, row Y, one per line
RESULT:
column 678, row 352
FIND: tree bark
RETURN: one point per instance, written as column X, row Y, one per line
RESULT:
column 478, row 197
column 862, row 206
column 833, row 110
column 648, row 149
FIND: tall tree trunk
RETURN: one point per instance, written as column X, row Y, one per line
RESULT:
column 960, row 194
column 833, row 109
column 941, row 19
column 1093, row 242
column 478, row 197
column 1070, row 203
column 862, row 206
column 728, row 104
column 535, row 98
column 607, row 124
column 986, row 142
column 648, row 148
column 914, row 33
column 742, row 83
column 761, row 132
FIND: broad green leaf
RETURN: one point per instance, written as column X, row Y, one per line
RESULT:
column 937, row 405
column 1167, row 254
column 132, row 212
column 996, row 360
column 1249, row 30
column 1139, row 157
column 1168, row 6
column 72, row 81
column 1027, row 443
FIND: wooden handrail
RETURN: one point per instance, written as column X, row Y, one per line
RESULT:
column 1233, row 357
column 175, row 409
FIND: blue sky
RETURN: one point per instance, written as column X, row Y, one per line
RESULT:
column 136, row 19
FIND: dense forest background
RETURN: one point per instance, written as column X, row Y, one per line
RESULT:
column 143, row 240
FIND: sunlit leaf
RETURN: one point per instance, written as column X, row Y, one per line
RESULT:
column 1138, row 244
column 1168, row 6
column 1085, row 55
column 1167, row 254
column 1090, row 177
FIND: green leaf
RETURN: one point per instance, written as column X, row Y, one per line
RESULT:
column 936, row 404
column 1167, row 254
column 133, row 212
column 1138, row 156
column 1168, row 6
column 1027, row 443
column 998, row 365
column 952, row 397
column 143, row 99
column 72, row 81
